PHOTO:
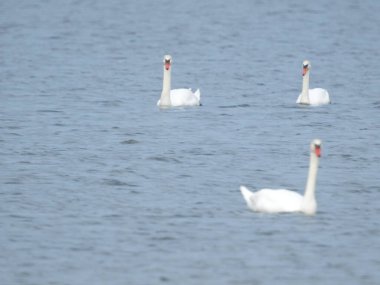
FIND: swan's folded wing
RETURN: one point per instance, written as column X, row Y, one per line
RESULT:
column 183, row 97
column 319, row 96
column 277, row 201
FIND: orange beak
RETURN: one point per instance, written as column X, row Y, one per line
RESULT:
column 304, row 70
column 318, row 151
column 167, row 65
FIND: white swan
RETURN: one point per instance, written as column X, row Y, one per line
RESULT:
column 282, row 200
column 176, row 97
column 316, row 96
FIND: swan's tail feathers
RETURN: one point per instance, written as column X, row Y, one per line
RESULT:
column 198, row 94
column 246, row 194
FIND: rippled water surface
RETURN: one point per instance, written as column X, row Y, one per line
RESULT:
column 99, row 186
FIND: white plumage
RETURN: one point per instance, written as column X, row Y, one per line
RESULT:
column 183, row 97
column 282, row 200
column 176, row 97
column 316, row 96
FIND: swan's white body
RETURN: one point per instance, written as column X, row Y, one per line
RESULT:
column 182, row 97
column 272, row 200
column 176, row 97
column 316, row 96
column 285, row 201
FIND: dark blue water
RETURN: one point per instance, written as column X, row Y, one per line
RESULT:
column 99, row 186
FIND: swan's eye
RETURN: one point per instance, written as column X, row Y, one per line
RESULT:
column 167, row 61
column 305, row 66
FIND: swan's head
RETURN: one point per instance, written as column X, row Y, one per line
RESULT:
column 305, row 67
column 167, row 61
column 316, row 147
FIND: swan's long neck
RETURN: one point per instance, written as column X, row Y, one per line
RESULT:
column 305, row 89
column 310, row 204
column 165, row 95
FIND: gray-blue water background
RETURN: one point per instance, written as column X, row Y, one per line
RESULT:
column 99, row 186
